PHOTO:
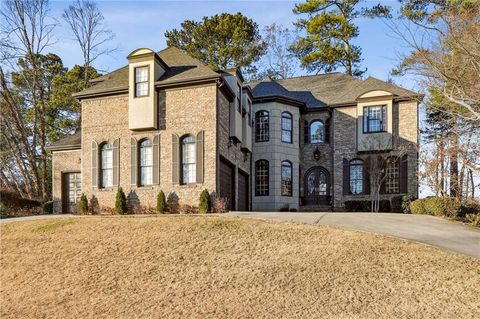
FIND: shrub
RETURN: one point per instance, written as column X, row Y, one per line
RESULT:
column 205, row 204
column 188, row 209
column 47, row 207
column 396, row 204
column 83, row 205
column 14, row 200
column 473, row 218
column 219, row 205
column 161, row 203
column 121, row 202
column 470, row 206
column 437, row 206
column 285, row 208
column 366, row 205
column 3, row 209
column 406, row 200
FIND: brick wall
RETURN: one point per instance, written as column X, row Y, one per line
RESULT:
column 63, row 162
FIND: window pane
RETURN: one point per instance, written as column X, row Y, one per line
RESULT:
column 141, row 74
column 356, row 177
column 286, row 186
column 261, row 126
column 317, row 132
column 188, row 160
column 107, row 165
column 146, row 163
column 261, row 178
column 392, row 182
column 286, row 127
column 141, row 89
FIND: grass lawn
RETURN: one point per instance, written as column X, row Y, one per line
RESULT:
column 219, row 267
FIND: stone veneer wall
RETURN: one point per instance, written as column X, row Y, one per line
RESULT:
column 231, row 153
column 63, row 162
column 276, row 151
column 187, row 111
column 307, row 159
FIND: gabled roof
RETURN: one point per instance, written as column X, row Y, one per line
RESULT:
column 182, row 67
column 328, row 89
column 69, row 142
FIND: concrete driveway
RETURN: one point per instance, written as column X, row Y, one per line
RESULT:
column 422, row 228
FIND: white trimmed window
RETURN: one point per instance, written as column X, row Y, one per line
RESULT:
column 146, row 163
column 374, row 119
column 141, row 81
column 188, row 160
column 106, row 165
column 356, row 176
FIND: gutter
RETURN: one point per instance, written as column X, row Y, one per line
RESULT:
column 71, row 147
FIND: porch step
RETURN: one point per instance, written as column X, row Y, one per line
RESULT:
column 316, row 208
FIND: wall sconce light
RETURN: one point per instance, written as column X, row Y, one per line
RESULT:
column 316, row 154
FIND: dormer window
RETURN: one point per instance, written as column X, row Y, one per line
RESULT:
column 141, row 81
column 374, row 119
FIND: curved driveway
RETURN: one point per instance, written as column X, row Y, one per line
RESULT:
column 422, row 228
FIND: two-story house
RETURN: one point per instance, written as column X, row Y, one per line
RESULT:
column 167, row 122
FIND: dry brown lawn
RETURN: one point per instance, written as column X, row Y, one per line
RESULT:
column 219, row 267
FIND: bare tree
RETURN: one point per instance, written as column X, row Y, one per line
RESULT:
column 279, row 62
column 26, row 33
column 87, row 24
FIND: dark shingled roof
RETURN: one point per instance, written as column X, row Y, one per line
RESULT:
column 182, row 67
column 68, row 142
column 325, row 89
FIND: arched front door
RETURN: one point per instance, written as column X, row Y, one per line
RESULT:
column 317, row 186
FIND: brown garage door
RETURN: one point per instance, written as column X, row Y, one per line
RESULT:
column 243, row 191
column 227, row 183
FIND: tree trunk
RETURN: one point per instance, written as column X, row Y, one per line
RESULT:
column 454, row 181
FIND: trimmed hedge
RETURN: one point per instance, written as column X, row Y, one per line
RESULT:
column 437, row 206
column 121, row 202
column 161, row 203
column 14, row 200
column 365, row 205
column 47, row 207
column 83, row 205
column 204, row 202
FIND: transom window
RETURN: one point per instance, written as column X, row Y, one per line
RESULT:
column 375, row 119
column 287, row 127
column 317, row 132
column 392, row 172
column 141, row 81
column 188, row 160
column 146, row 163
column 286, row 178
column 107, row 165
column 356, row 176
column 262, row 120
column 261, row 178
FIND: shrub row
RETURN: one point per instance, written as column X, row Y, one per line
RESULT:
column 365, row 205
column 446, row 207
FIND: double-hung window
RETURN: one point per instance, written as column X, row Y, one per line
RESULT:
column 286, row 186
column 106, row 165
column 146, row 163
column 356, row 176
column 287, row 127
column 141, row 81
column 374, row 119
column 188, row 160
column 262, row 120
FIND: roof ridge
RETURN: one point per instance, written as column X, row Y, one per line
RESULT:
column 308, row 75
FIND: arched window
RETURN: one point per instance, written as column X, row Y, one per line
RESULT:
column 392, row 172
column 262, row 122
column 106, row 164
column 317, row 132
column 188, row 159
column 146, row 163
column 287, row 123
column 356, row 176
column 261, row 178
column 286, row 178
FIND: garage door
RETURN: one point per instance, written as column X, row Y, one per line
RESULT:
column 227, row 184
column 243, row 191
column 72, row 190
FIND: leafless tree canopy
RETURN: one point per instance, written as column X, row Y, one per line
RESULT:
column 88, row 26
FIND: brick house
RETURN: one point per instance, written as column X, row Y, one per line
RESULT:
column 167, row 122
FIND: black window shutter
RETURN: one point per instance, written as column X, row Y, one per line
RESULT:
column 306, row 132
column 94, row 164
column 199, row 159
column 404, row 174
column 327, row 131
column 175, row 159
column 346, row 177
column 366, row 178
column 116, row 162
column 156, row 159
column 383, row 186
column 133, row 161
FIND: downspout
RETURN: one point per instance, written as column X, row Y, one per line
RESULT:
column 332, row 149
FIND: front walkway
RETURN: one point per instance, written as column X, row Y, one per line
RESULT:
column 422, row 228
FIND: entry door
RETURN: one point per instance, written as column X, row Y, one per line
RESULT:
column 317, row 186
column 243, row 191
column 227, row 183
column 72, row 190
